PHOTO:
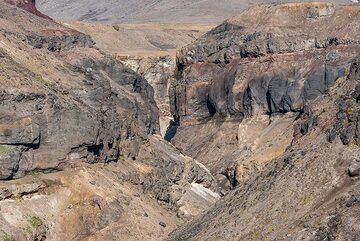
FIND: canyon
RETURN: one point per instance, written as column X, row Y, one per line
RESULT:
column 183, row 127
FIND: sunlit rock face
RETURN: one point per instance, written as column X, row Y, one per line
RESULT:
column 269, row 100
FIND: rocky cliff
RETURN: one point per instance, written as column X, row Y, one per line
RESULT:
column 275, row 99
column 264, row 140
column 220, row 62
column 80, row 155
column 160, row 72
column 251, row 70
column 148, row 49
column 82, row 117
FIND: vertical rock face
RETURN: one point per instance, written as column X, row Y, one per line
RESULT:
column 273, row 95
column 239, row 69
column 70, row 99
column 81, row 157
column 252, row 70
column 159, row 72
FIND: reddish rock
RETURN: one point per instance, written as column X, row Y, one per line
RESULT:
column 28, row 5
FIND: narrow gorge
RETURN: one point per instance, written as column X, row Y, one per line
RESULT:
column 247, row 129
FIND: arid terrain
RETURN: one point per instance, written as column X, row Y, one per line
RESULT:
column 162, row 120
column 151, row 11
column 141, row 40
column 279, row 103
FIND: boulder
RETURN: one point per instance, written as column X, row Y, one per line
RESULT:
column 354, row 169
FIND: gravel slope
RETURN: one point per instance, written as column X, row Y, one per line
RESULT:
column 145, row 11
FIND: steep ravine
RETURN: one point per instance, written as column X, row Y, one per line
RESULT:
column 264, row 146
column 81, row 157
column 160, row 72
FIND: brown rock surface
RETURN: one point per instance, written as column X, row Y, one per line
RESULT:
column 80, row 158
column 60, row 93
column 117, row 201
column 266, row 106
column 148, row 49
column 264, row 96
column 159, row 72
column 141, row 40
column 247, row 72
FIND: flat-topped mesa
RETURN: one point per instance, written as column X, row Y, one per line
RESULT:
column 270, row 59
column 28, row 5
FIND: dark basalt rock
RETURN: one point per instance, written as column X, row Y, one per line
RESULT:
column 241, row 67
column 320, row 81
column 356, row 94
column 56, row 43
column 272, row 93
column 328, row 232
column 19, row 132
column 9, row 161
column 347, row 125
column 52, row 126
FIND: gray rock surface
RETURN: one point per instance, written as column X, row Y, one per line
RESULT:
column 94, row 109
column 159, row 72
column 266, row 105
column 239, row 69
column 81, row 156
column 144, row 11
column 236, row 85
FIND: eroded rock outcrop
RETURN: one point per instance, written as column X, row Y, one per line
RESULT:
column 276, row 100
column 159, row 72
column 81, row 157
column 310, row 192
column 240, row 69
column 244, row 79
column 77, row 102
